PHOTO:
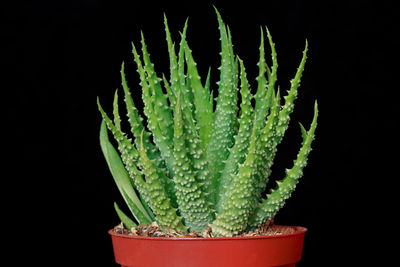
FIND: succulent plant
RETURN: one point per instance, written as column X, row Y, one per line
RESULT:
column 199, row 162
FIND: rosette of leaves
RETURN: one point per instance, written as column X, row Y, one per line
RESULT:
column 197, row 161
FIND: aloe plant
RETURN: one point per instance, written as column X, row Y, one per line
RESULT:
column 194, row 162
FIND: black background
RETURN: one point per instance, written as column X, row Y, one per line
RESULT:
column 62, row 55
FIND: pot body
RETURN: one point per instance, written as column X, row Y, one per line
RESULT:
column 283, row 250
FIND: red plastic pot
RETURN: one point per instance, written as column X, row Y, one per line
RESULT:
column 283, row 250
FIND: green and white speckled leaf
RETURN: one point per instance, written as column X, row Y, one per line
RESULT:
column 222, row 137
column 162, row 142
column 187, row 94
column 194, row 167
column 265, row 88
column 266, row 146
column 128, row 152
column 234, row 215
column 210, row 95
column 160, row 104
column 275, row 200
column 173, row 63
column 160, row 202
column 203, row 113
column 191, row 201
column 117, row 119
column 242, row 140
column 170, row 93
column 287, row 109
column 136, row 122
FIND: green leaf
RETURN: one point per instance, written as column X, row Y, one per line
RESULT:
column 275, row 200
column 129, row 224
column 239, row 150
column 170, row 93
column 287, row 109
column 273, row 72
column 117, row 119
column 266, row 145
column 265, row 88
column 234, row 215
column 146, row 94
column 303, row 132
column 121, row 177
column 153, row 109
column 160, row 104
column 210, row 96
column 147, row 208
column 135, row 120
column 128, row 152
column 234, row 61
column 191, row 200
column 222, row 137
column 187, row 94
column 174, row 75
column 138, row 212
column 160, row 202
column 203, row 114
column 261, row 81
column 207, row 84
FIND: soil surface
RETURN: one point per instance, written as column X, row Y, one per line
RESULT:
column 154, row 231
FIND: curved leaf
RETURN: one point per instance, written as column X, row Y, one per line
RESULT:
column 122, row 178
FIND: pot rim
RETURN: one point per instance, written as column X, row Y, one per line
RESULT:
column 299, row 230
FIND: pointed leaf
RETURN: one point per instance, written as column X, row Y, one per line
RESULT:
column 121, row 176
column 135, row 120
column 142, row 218
column 268, row 208
column 153, row 110
column 287, row 109
column 160, row 105
column 234, row 215
column 129, row 224
column 242, row 140
column 191, row 200
column 117, row 119
column 222, row 137
column 203, row 114
column 187, row 94
column 160, row 202
column 174, row 75
column 170, row 93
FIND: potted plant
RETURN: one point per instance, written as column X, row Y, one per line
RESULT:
column 193, row 177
